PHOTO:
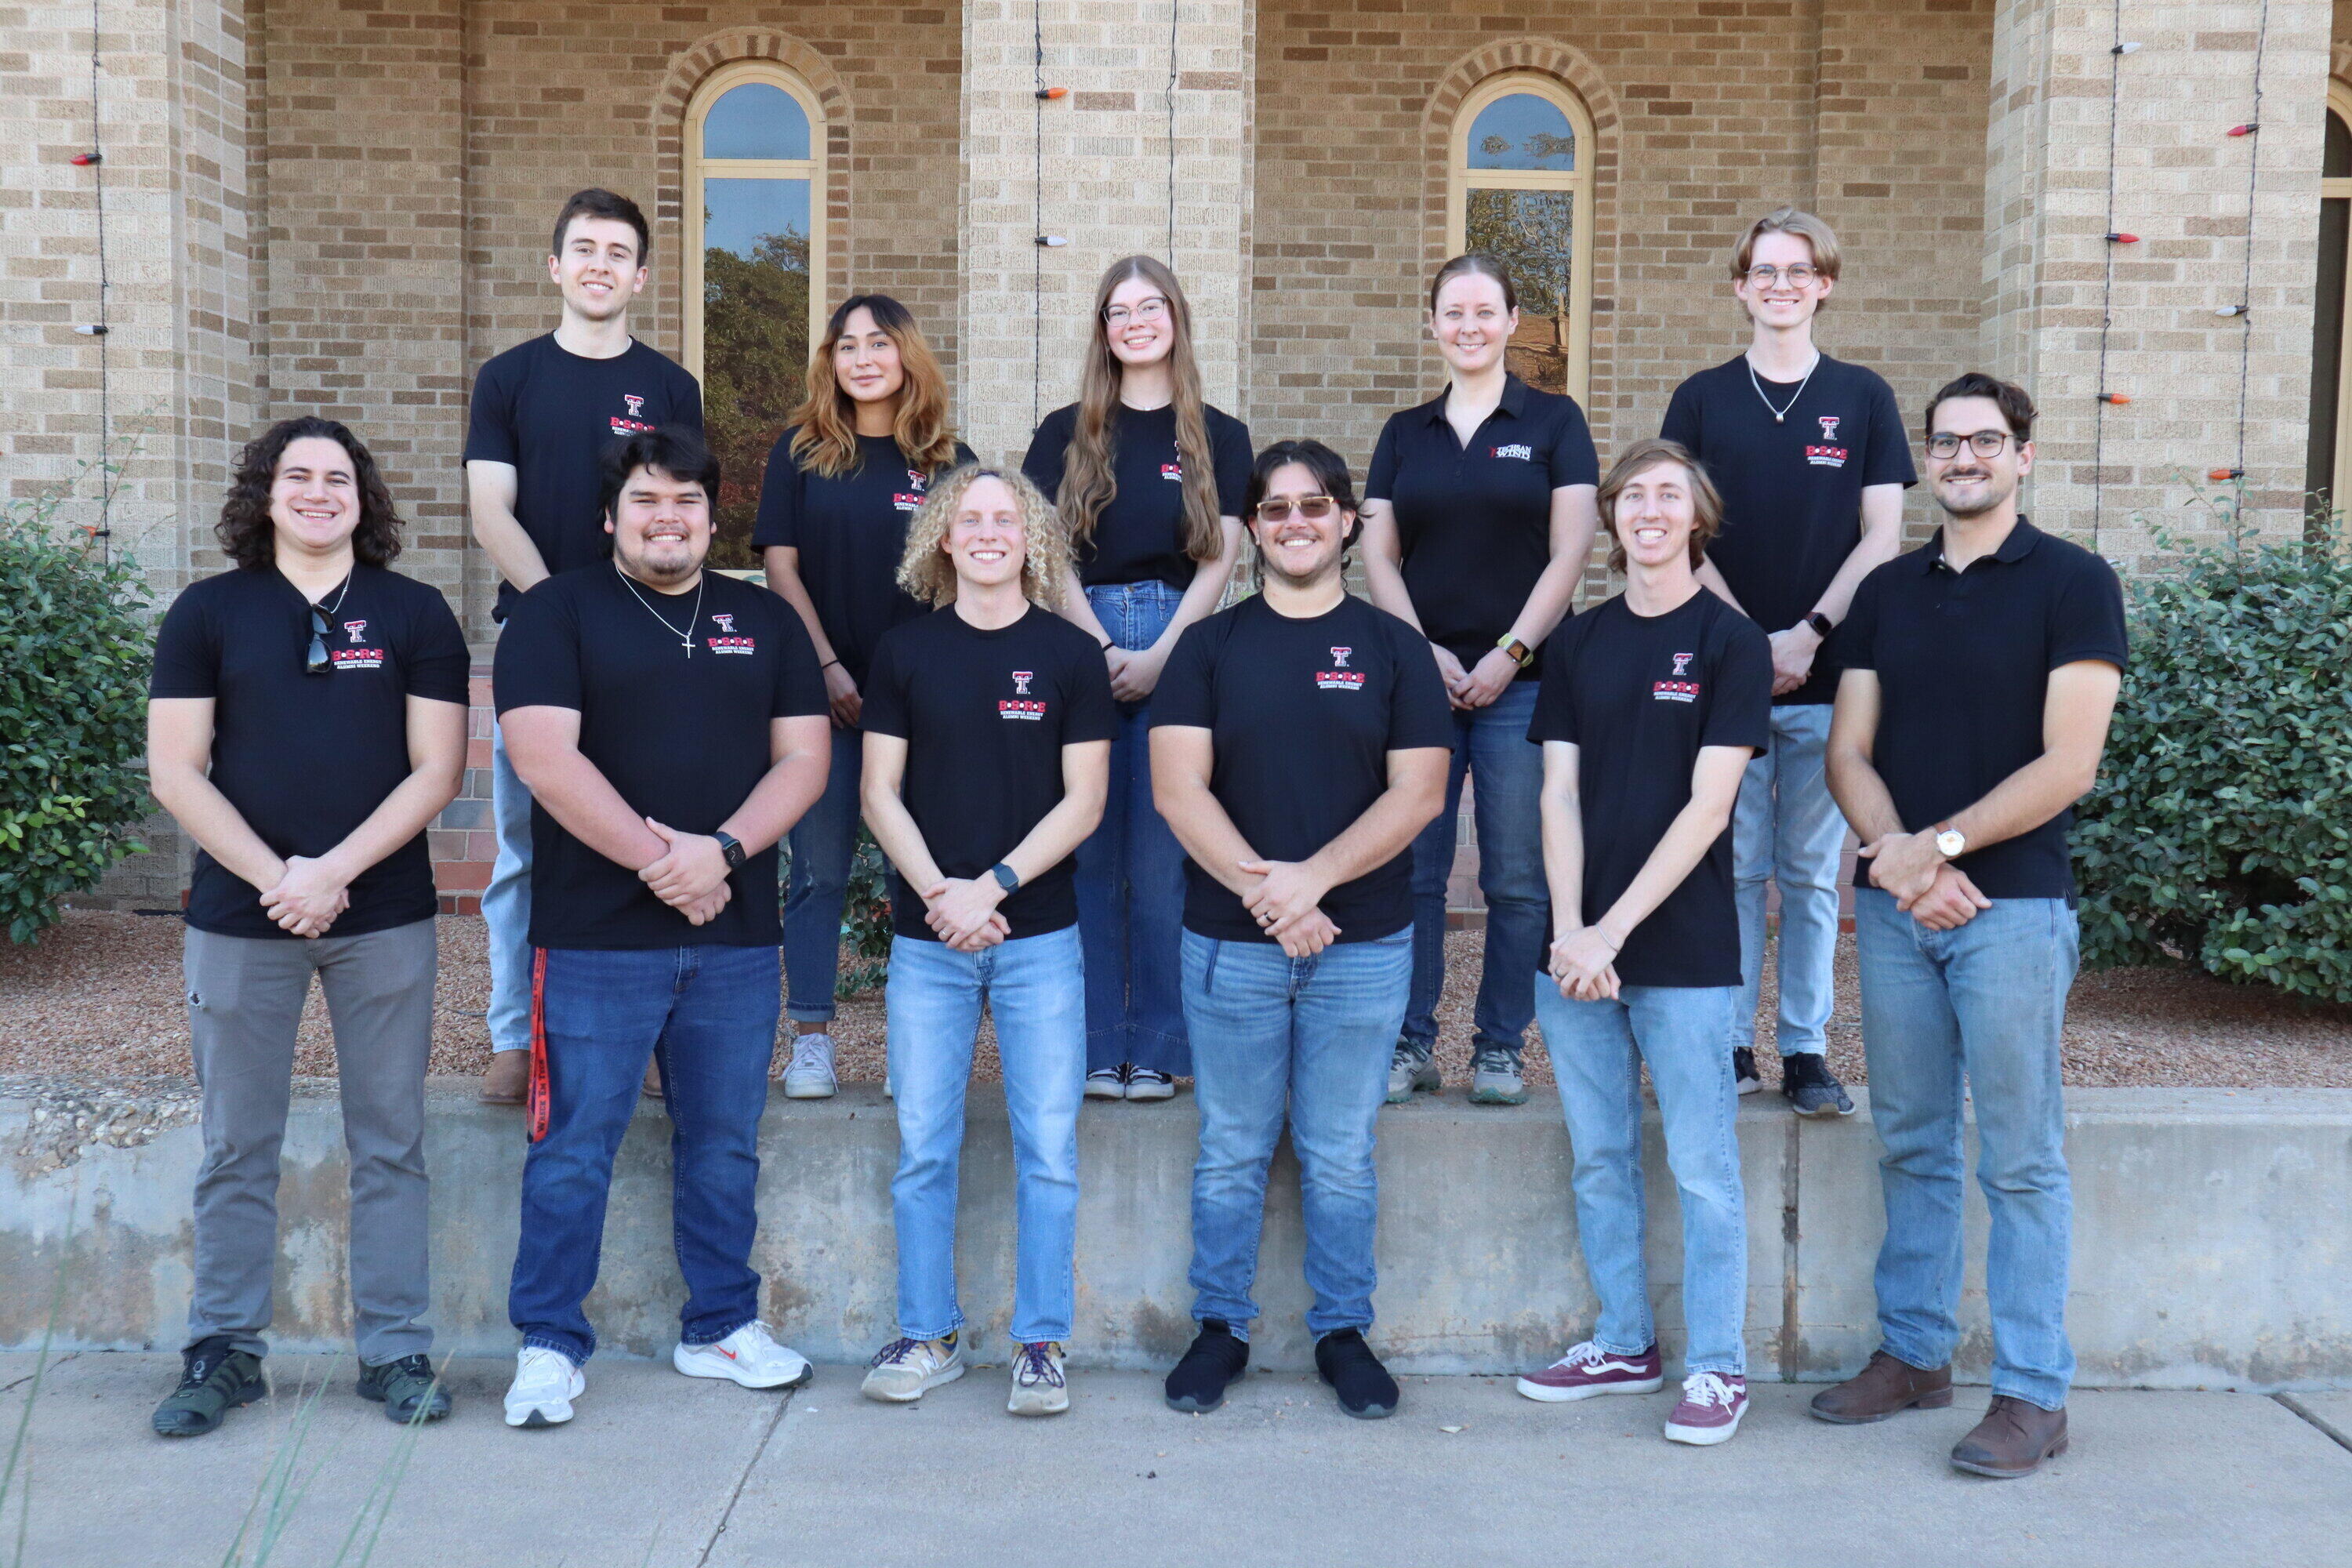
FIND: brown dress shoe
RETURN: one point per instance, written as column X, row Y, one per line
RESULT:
column 2012, row 1439
column 509, row 1076
column 1882, row 1388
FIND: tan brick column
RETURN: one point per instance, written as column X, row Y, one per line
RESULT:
column 1104, row 155
column 2181, row 185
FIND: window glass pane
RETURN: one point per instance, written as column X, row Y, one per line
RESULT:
column 1522, row 132
column 2327, row 345
column 2336, row 162
column 756, row 120
column 755, row 337
column 1533, row 233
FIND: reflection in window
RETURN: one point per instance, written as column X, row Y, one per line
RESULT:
column 1516, row 192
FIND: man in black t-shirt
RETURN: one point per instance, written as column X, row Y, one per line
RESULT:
column 1652, row 704
column 1298, row 742
column 988, row 728
column 542, row 413
column 1980, row 671
column 1810, row 457
column 671, row 725
column 307, row 720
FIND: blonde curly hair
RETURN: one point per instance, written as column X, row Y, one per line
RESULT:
column 926, row 571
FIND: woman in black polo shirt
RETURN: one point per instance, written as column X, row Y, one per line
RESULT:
column 1478, row 514
column 1149, row 479
column 842, row 482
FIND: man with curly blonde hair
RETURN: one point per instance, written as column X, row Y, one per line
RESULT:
column 988, row 729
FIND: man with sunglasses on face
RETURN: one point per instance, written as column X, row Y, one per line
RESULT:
column 307, row 720
column 1980, row 674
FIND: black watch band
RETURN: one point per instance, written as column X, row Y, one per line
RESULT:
column 1006, row 877
column 731, row 850
column 1822, row 626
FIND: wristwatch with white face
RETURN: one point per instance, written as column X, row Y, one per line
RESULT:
column 1950, row 842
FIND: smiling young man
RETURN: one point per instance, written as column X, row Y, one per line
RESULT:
column 1652, row 704
column 1980, row 671
column 988, row 730
column 1810, row 457
column 542, row 414
column 1298, row 742
column 670, row 723
column 307, row 720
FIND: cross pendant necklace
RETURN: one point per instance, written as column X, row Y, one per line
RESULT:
column 684, row 638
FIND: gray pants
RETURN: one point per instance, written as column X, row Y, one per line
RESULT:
column 245, row 1005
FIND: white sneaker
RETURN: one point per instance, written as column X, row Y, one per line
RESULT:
column 811, row 1075
column 1039, row 1384
column 1107, row 1083
column 545, row 1384
column 904, row 1370
column 1150, row 1083
column 749, row 1356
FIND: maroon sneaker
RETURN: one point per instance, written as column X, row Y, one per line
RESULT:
column 1588, row 1370
column 1712, row 1404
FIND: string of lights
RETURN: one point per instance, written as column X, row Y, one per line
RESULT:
column 1175, row 11
column 2246, row 281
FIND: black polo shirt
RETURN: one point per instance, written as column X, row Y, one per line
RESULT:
column 1474, row 522
column 1139, row 535
column 1963, row 660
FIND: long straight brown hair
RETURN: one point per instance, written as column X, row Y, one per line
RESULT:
column 826, row 439
column 1087, row 482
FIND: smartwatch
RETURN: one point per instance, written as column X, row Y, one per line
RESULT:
column 1950, row 842
column 1519, row 651
column 1006, row 877
column 1822, row 626
column 731, row 850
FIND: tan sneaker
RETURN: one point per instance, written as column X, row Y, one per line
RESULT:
column 905, row 1369
column 1040, row 1388
column 507, row 1079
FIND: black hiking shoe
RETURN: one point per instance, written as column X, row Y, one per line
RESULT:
column 1743, row 1070
column 1811, row 1088
column 1217, row 1357
column 214, row 1381
column 1366, row 1390
column 408, row 1389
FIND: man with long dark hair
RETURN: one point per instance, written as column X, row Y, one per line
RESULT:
column 307, row 720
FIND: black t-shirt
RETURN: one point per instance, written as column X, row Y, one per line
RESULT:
column 1139, row 536
column 683, row 737
column 985, row 715
column 1638, row 696
column 1791, row 491
column 1474, row 522
column 1303, row 714
column 549, row 412
column 1963, row 662
column 851, row 532
column 305, row 758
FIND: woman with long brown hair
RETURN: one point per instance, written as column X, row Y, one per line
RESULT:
column 1149, row 479
column 843, row 480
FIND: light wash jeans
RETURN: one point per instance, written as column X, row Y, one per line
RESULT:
column 1985, row 1004
column 1314, row 1034
column 1492, row 743
column 1789, row 830
column 1130, row 876
column 1036, row 993
column 1597, row 1052
column 506, row 903
column 818, row 851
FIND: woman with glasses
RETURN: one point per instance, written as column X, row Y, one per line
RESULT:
column 1478, row 514
column 1149, row 479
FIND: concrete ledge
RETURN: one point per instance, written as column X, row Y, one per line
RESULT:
column 2212, row 1238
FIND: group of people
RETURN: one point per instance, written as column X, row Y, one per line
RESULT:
column 1157, row 839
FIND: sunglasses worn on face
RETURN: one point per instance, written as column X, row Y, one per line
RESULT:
column 1313, row 509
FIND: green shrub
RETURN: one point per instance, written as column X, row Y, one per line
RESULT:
column 74, row 644
column 2220, row 832
column 865, row 920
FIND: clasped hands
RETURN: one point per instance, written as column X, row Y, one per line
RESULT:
column 1287, row 902
column 691, row 875
column 1583, row 963
column 309, row 895
column 1481, row 684
column 961, row 911
column 1926, row 887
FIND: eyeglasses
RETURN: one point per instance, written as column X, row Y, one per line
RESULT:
column 1313, row 509
column 316, row 661
column 1800, row 276
column 1151, row 309
column 1983, row 443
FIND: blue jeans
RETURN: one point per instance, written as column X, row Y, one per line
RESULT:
column 1597, row 1052
column 1315, row 1033
column 816, row 884
column 1788, row 830
column 1987, row 1003
column 506, row 904
column 1034, row 991
column 1491, row 743
column 710, row 1015
column 1130, row 877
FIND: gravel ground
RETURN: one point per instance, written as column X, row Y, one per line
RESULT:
column 100, row 998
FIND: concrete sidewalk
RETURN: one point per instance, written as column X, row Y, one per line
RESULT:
column 658, row 1469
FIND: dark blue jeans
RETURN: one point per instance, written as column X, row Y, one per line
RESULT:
column 710, row 1015
column 816, row 860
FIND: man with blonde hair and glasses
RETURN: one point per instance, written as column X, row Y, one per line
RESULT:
column 1809, row 455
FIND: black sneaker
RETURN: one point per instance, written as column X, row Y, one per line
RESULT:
column 1811, row 1088
column 1217, row 1357
column 408, row 1389
column 1366, row 1390
column 1743, row 1070
column 214, row 1381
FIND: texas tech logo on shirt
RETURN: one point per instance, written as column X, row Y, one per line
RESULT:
column 730, row 643
column 358, row 656
column 1023, row 705
column 1824, row 455
column 1519, row 450
column 355, row 628
column 1340, row 678
column 1172, row 472
column 911, row 498
column 1677, row 686
column 634, row 422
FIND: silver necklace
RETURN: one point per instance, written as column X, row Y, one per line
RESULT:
column 340, row 597
column 684, row 638
column 1779, row 416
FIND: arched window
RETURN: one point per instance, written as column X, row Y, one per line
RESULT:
column 754, row 210
column 1520, row 188
column 2328, row 471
